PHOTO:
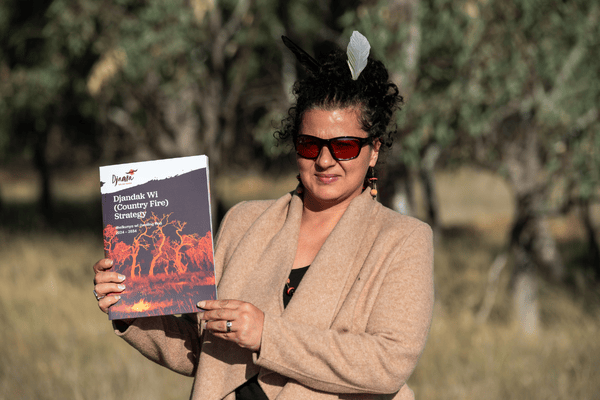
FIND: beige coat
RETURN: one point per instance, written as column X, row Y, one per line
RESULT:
column 354, row 329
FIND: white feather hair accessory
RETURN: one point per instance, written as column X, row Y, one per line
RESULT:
column 358, row 53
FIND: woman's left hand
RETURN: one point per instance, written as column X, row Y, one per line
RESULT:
column 245, row 321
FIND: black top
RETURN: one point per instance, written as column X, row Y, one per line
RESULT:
column 292, row 284
column 251, row 390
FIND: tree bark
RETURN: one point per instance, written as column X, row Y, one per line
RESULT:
column 427, row 175
column 492, row 287
column 396, row 184
column 525, row 292
column 395, row 189
column 43, row 167
column 523, row 282
column 532, row 247
column 592, row 238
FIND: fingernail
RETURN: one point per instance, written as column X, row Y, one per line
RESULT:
column 201, row 304
column 109, row 262
column 121, row 287
column 118, row 297
column 200, row 315
column 121, row 277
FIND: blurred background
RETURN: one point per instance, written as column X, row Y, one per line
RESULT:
column 499, row 150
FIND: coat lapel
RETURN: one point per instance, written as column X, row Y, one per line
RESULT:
column 332, row 271
column 329, row 278
column 257, row 271
column 254, row 273
column 260, row 265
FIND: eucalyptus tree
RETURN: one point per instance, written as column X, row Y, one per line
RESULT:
column 46, row 115
column 130, row 79
column 86, row 81
column 530, row 107
column 514, row 88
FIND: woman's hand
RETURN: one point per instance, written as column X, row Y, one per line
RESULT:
column 106, row 282
column 245, row 321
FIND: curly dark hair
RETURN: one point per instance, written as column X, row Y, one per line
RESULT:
column 332, row 87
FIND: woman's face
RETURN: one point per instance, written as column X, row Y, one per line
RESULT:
column 327, row 181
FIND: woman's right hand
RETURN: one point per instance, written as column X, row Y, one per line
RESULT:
column 105, row 282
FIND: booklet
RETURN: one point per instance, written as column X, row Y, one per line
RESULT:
column 157, row 231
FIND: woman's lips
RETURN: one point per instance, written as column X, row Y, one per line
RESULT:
column 325, row 178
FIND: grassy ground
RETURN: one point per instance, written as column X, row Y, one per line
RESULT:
column 55, row 343
column 467, row 360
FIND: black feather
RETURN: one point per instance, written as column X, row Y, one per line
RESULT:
column 303, row 57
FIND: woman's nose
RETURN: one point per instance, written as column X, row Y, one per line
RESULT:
column 325, row 159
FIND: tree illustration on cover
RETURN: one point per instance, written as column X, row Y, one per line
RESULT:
column 178, row 275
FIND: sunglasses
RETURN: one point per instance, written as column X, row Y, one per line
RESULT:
column 341, row 148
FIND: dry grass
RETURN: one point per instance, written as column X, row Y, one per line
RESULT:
column 55, row 343
column 467, row 360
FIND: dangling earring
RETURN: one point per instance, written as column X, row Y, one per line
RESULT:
column 373, row 182
column 300, row 188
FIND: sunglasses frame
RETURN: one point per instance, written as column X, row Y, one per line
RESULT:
column 327, row 142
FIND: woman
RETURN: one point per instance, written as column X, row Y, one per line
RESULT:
column 357, row 323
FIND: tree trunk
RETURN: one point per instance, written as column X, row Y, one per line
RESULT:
column 592, row 239
column 43, row 167
column 396, row 185
column 525, row 292
column 523, row 281
column 546, row 251
column 407, row 17
column 532, row 246
column 395, row 189
column 534, row 250
column 429, row 188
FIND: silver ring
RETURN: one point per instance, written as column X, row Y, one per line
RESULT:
column 98, row 297
column 228, row 325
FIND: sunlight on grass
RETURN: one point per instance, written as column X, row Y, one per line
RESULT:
column 55, row 343
column 467, row 360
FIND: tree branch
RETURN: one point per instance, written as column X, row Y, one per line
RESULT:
column 492, row 287
column 224, row 33
column 553, row 99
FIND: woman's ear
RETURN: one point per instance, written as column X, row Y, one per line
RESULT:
column 374, row 152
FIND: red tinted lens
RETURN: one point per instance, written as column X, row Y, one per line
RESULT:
column 308, row 147
column 345, row 149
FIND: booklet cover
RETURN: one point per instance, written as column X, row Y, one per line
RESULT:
column 157, row 231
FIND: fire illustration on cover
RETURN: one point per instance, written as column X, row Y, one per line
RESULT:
column 180, row 267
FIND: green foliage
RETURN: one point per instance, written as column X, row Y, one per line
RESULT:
column 480, row 62
column 475, row 63
column 44, row 67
